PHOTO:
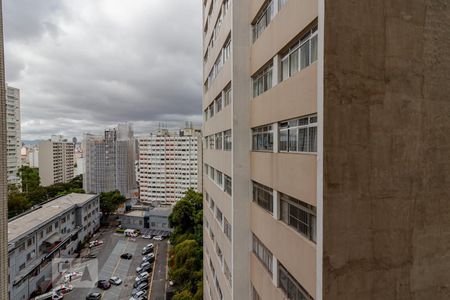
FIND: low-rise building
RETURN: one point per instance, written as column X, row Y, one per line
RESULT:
column 154, row 218
column 56, row 229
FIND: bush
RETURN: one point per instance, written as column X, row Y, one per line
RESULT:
column 120, row 230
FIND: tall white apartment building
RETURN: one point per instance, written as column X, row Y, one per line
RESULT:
column 56, row 161
column 169, row 164
column 109, row 161
column 13, row 133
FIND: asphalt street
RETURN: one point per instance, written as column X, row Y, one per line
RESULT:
column 108, row 263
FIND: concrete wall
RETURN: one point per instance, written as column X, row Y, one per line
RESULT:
column 386, row 150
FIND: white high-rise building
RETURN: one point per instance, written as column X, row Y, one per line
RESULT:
column 13, row 133
column 169, row 164
column 109, row 162
column 56, row 161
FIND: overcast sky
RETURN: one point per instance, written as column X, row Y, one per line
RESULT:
column 85, row 65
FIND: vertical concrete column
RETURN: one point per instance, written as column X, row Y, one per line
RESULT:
column 275, row 70
column 276, row 205
column 275, row 137
column 275, row 271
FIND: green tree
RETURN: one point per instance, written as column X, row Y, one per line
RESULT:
column 17, row 202
column 30, row 178
column 186, row 256
column 110, row 201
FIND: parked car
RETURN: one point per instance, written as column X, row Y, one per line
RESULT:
column 143, row 275
column 103, row 284
column 147, row 267
column 147, row 236
column 158, row 238
column 138, row 294
column 146, row 250
column 95, row 243
column 149, row 258
column 69, row 276
column 115, row 280
column 63, row 288
column 150, row 245
column 142, row 286
column 137, row 283
column 126, row 256
column 49, row 296
column 94, row 296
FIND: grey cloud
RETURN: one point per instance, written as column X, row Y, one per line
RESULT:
column 90, row 64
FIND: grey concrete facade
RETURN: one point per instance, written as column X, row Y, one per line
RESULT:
column 3, row 184
column 54, row 230
column 386, row 146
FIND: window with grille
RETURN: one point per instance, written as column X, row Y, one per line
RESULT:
column 227, row 185
column 262, row 81
column 227, row 228
column 262, row 138
column 299, row 215
column 227, row 141
column 264, row 255
column 298, row 135
column 290, row 286
column 263, row 196
column 300, row 55
column 263, row 19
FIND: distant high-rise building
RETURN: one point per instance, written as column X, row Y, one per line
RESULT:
column 326, row 161
column 3, row 171
column 169, row 164
column 110, row 161
column 56, row 161
column 13, row 133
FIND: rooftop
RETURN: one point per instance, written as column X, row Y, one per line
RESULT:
column 135, row 213
column 32, row 220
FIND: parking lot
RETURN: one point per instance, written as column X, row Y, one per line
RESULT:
column 110, row 264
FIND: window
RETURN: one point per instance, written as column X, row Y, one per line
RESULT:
column 281, row 3
column 219, row 216
column 219, row 290
column 211, row 172
column 219, row 178
column 299, row 135
column 264, row 255
column 211, row 142
column 219, row 253
column 227, row 95
column 226, row 271
column 227, row 228
column 212, row 204
column 262, row 81
column 227, row 185
column 218, row 141
column 218, row 103
column 263, row 196
column 211, row 110
column 290, row 286
column 299, row 215
column 227, row 140
column 227, row 50
column 262, row 138
column 263, row 20
column 255, row 295
column 300, row 55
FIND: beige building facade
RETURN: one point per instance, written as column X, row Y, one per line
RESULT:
column 56, row 161
column 309, row 107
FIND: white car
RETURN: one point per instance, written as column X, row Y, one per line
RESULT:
column 148, row 237
column 142, row 276
column 69, row 276
column 150, row 246
column 95, row 243
column 63, row 289
column 115, row 280
column 158, row 238
column 148, row 256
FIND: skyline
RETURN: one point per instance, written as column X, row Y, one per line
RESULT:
column 42, row 40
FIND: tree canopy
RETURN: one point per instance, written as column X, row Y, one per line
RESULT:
column 186, row 255
column 110, row 201
column 32, row 193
